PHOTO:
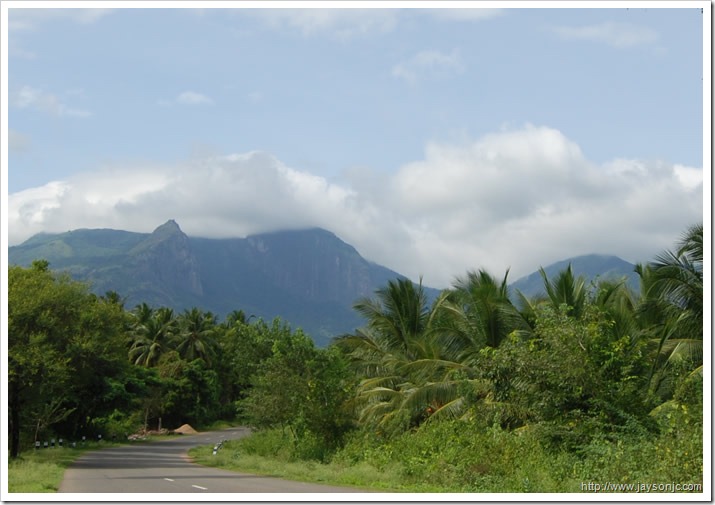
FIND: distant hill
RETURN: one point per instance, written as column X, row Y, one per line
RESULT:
column 591, row 266
column 310, row 278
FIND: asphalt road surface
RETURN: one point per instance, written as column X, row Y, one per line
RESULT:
column 164, row 467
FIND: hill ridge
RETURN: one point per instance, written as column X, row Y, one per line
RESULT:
column 591, row 266
column 308, row 277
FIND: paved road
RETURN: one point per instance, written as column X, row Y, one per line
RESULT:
column 163, row 467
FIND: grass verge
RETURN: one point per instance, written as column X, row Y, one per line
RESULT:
column 42, row 470
column 454, row 457
column 362, row 475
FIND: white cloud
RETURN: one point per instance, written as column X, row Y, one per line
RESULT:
column 193, row 98
column 347, row 23
column 529, row 197
column 21, row 19
column 689, row 177
column 187, row 98
column 611, row 33
column 464, row 14
column 339, row 23
column 33, row 19
column 518, row 198
column 429, row 64
column 32, row 98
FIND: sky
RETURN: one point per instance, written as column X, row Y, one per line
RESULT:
column 434, row 140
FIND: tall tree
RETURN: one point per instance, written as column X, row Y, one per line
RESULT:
column 672, row 308
column 398, row 314
column 196, row 336
column 566, row 289
column 151, row 334
column 394, row 337
column 477, row 313
column 62, row 342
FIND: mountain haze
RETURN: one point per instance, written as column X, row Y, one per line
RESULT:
column 591, row 266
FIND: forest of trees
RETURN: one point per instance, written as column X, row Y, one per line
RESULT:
column 588, row 362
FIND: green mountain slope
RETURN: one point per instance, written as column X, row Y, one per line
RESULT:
column 310, row 278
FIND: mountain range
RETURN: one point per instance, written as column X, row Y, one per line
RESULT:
column 590, row 266
column 310, row 278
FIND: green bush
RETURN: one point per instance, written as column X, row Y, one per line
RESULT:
column 460, row 456
column 118, row 425
column 274, row 443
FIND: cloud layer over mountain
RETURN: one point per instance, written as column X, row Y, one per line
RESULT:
column 512, row 199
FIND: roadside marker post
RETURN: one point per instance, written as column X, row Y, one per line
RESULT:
column 217, row 447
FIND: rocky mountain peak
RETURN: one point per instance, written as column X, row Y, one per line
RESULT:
column 166, row 257
column 171, row 227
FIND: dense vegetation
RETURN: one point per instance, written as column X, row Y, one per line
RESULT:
column 482, row 390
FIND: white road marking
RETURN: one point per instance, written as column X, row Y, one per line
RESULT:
column 199, row 487
column 170, row 480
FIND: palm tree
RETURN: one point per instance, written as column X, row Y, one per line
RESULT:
column 477, row 313
column 620, row 303
column 395, row 337
column 420, row 363
column 151, row 334
column 566, row 289
column 672, row 308
column 398, row 315
column 237, row 317
column 196, row 335
column 677, row 279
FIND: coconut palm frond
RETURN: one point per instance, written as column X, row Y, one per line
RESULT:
column 454, row 409
column 430, row 369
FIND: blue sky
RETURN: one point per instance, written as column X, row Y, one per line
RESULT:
column 433, row 140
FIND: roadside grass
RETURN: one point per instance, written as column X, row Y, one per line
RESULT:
column 231, row 457
column 42, row 470
column 362, row 475
column 454, row 457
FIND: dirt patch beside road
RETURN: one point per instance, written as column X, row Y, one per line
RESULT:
column 185, row 429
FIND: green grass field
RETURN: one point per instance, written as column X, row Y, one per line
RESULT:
column 41, row 471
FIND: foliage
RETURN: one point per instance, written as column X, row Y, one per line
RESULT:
column 672, row 305
column 470, row 393
column 575, row 376
column 66, row 359
column 301, row 389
